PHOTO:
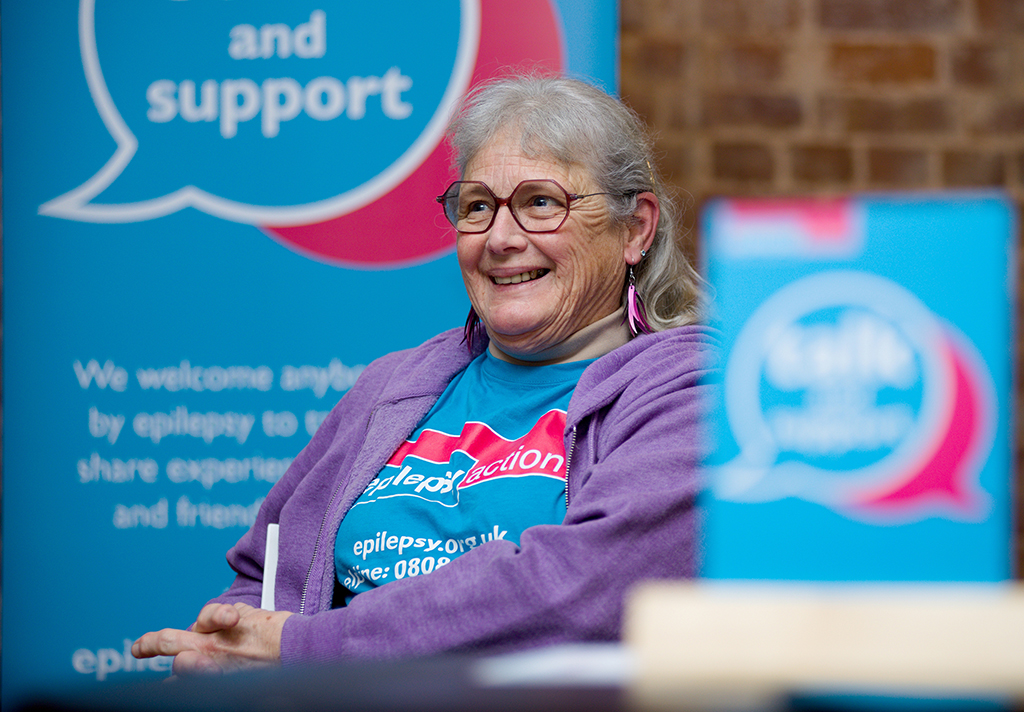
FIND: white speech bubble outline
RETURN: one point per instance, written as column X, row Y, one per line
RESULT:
column 746, row 478
column 76, row 205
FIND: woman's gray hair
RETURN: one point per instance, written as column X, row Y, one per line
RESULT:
column 577, row 124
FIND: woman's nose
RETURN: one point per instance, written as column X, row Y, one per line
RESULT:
column 505, row 234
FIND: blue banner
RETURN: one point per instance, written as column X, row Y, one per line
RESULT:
column 215, row 215
column 863, row 431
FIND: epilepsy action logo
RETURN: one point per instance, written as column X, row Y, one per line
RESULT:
column 843, row 389
column 436, row 465
column 306, row 120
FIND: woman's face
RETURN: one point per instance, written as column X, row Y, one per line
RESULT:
column 534, row 290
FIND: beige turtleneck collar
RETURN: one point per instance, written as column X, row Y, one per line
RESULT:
column 604, row 335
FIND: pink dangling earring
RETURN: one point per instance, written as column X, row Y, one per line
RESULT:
column 469, row 331
column 636, row 312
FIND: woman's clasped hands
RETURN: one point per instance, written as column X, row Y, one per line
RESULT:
column 224, row 638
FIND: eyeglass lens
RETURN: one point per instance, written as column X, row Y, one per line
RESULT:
column 537, row 205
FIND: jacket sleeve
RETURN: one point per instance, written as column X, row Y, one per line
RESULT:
column 633, row 483
column 246, row 557
column 345, row 423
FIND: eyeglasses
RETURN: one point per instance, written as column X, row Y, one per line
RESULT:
column 536, row 205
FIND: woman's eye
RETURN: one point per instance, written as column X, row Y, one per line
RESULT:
column 478, row 206
column 544, row 201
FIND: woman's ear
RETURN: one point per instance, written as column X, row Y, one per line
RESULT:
column 643, row 227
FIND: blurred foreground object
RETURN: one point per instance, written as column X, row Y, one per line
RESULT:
column 863, row 432
column 739, row 645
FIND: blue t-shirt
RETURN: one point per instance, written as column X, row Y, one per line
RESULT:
column 487, row 462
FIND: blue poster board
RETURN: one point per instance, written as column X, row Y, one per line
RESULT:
column 215, row 214
column 863, row 426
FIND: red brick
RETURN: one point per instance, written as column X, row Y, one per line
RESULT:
column 912, row 15
column 751, row 110
column 629, row 44
column 749, row 15
column 822, row 164
column 883, row 64
column 897, row 167
column 743, row 162
column 1001, row 15
column 680, row 114
column 676, row 163
column 631, row 16
column 640, row 101
column 885, row 116
column 660, row 58
column 980, row 65
column 1007, row 118
column 970, row 168
column 749, row 63
column 669, row 17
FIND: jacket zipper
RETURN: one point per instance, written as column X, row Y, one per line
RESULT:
column 568, row 463
column 316, row 550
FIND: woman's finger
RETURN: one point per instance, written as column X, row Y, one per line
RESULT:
column 169, row 641
column 216, row 616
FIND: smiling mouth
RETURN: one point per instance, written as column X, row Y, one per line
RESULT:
column 523, row 277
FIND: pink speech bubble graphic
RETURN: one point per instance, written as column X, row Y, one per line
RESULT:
column 946, row 477
column 404, row 225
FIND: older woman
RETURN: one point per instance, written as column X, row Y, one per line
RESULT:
column 501, row 486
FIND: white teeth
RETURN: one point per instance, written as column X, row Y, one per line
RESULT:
column 523, row 277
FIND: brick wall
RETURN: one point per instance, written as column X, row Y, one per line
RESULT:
column 821, row 97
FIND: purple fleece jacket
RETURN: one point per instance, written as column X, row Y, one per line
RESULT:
column 633, row 440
